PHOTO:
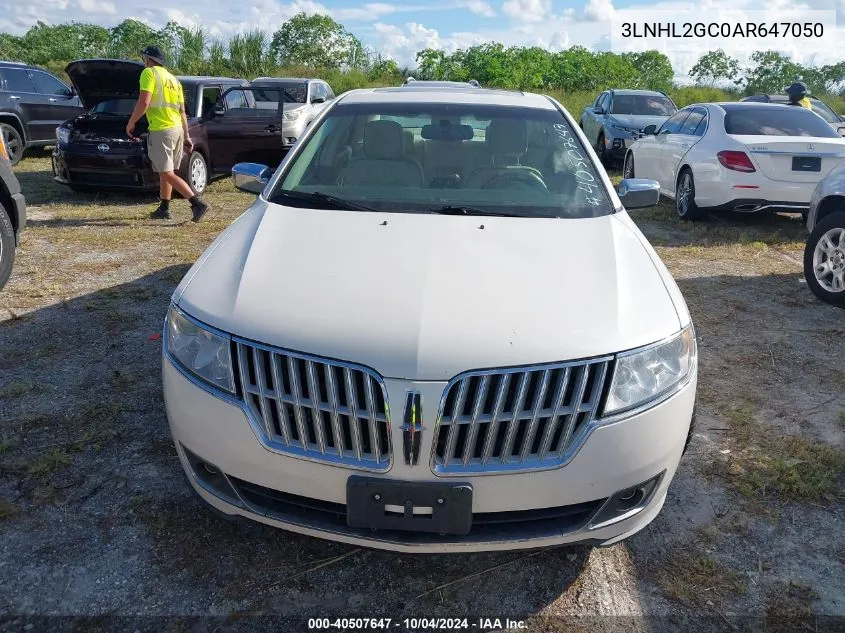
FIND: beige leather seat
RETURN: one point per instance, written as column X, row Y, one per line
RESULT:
column 506, row 144
column 385, row 162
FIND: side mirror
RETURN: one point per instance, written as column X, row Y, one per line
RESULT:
column 650, row 129
column 218, row 110
column 842, row 131
column 598, row 109
column 250, row 177
column 636, row 193
column 318, row 100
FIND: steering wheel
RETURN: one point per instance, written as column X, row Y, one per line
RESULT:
column 521, row 179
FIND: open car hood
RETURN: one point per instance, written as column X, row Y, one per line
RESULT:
column 98, row 80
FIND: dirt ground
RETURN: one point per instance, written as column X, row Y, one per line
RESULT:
column 98, row 521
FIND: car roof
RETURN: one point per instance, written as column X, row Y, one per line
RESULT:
column 463, row 95
column 778, row 98
column 729, row 106
column 202, row 79
column 8, row 63
column 282, row 79
column 428, row 84
column 627, row 91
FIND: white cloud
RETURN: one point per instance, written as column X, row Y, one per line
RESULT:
column 527, row 10
column 481, row 7
column 599, row 10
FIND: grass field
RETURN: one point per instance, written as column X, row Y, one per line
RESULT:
column 97, row 519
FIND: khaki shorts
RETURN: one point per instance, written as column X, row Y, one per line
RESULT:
column 164, row 147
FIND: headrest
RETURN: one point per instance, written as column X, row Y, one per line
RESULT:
column 383, row 139
column 407, row 141
column 507, row 137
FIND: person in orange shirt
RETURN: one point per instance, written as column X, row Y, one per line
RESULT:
column 162, row 101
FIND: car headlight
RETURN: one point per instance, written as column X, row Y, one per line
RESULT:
column 646, row 374
column 292, row 115
column 200, row 351
column 62, row 134
column 621, row 130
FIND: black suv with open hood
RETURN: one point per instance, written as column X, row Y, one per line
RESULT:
column 93, row 150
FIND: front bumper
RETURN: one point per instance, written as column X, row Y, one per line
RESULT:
column 292, row 131
column 309, row 498
column 84, row 167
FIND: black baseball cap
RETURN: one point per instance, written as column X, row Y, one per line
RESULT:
column 154, row 53
column 798, row 88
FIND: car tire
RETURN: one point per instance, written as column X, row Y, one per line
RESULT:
column 628, row 166
column 601, row 150
column 826, row 246
column 7, row 246
column 15, row 144
column 685, row 197
column 197, row 174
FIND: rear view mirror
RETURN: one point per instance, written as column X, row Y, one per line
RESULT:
column 650, row 129
column 449, row 132
column 636, row 193
column 250, row 177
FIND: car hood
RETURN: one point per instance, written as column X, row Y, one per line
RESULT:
column 426, row 297
column 637, row 121
column 98, row 80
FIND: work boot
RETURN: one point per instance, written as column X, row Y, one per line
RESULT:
column 162, row 212
column 199, row 208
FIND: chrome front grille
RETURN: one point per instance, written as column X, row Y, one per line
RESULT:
column 509, row 420
column 315, row 408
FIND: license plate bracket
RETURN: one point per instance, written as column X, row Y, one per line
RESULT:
column 382, row 504
column 806, row 163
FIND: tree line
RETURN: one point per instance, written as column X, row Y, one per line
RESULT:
column 319, row 42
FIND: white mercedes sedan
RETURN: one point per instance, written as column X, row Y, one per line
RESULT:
column 437, row 329
column 737, row 157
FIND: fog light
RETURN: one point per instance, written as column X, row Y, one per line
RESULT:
column 210, row 478
column 626, row 503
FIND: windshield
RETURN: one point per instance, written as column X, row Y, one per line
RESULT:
column 779, row 121
column 820, row 108
column 118, row 107
column 292, row 92
column 647, row 105
column 467, row 158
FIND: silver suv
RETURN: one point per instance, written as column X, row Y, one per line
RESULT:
column 304, row 99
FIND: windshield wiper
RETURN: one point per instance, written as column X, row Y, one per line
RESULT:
column 463, row 210
column 324, row 198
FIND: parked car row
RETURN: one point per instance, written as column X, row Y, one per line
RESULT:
column 230, row 120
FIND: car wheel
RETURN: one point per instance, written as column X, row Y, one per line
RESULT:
column 601, row 150
column 685, row 197
column 628, row 166
column 197, row 172
column 824, row 260
column 15, row 144
column 7, row 247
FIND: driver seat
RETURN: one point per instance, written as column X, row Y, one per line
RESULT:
column 506, row 143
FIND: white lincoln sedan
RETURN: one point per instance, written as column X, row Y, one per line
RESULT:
column 437, row 329
column 737, row 157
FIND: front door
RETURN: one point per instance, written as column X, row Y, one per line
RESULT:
column 57, row 103
column 240, row 132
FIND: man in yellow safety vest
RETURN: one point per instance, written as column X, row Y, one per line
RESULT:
column 161, row 99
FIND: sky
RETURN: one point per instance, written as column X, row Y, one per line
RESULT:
column 401, row 28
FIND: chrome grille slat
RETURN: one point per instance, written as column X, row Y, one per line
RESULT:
column 560, row 394
column 352, row 399
column 521, row 419
column 313, row 408
column 494, row 422
column 532, row 428
column 476, row 410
